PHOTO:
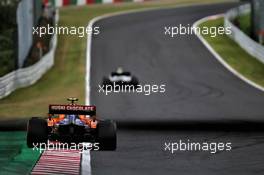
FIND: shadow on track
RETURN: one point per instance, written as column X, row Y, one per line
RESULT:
column 193, row 126
column 228, row 125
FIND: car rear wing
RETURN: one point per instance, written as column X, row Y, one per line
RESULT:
column 72, row 109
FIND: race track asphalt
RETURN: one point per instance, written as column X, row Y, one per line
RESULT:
column 198, row 90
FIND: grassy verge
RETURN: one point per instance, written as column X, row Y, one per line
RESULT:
column 15, row 157
column 67, row 77
column 234, row 55
column 244, row 23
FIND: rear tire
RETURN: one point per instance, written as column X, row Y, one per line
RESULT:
column 107, row 135
column 106, row 83
column 134, row 82
column 37, row 132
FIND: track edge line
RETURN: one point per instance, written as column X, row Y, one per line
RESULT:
column 218, row 57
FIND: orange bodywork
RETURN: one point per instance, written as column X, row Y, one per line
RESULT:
column 87, row 120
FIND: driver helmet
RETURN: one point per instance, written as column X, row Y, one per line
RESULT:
column 119, row 70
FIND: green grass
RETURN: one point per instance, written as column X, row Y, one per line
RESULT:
column 15, row 157
column 7, row 63
column 67, row 77
column 234, row 55
column 244, row 23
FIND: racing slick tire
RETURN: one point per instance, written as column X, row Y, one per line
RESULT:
column 106, row 81
column 37, row 132
column 107, row 135
column 134, row 82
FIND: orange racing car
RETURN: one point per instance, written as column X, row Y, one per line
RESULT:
column 72, row 123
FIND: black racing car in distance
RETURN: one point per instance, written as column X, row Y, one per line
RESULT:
column 121, row 78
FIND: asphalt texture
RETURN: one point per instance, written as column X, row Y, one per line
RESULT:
column 203, row 101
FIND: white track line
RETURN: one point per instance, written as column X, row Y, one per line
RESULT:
column 86, row 156
column 218, row 57
column 86, row 163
